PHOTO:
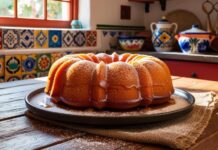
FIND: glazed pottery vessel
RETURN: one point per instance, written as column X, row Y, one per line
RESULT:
column 76, row 24
column 131, row 43
column 194, row 40
column 163, row 34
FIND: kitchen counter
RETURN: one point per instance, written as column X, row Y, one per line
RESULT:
column 19, row 132
column 208, row 57
column 202, row 66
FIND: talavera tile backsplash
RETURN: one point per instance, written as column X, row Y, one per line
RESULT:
column 34, row 38
column 25, row 66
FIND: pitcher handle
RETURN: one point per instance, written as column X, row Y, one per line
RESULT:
column 153, row 26
column 175, row 27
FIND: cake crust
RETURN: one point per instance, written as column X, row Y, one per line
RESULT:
column 110, row 81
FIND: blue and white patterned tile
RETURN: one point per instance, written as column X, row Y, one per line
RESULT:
column 55, row 38
column 79, row 39
column 67, row 38
column 105, row 33
column 113, row 33
column 11, row 39
column 105, row 40
column 28, row 63
column 26, row 38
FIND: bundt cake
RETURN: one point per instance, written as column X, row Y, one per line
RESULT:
column 109, row 81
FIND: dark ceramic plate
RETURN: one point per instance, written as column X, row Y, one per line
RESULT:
column 40, row 104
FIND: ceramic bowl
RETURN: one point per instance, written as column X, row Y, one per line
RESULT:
column 194, row 40
column 131, row 43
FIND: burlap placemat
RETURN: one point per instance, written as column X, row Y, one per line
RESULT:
column 180, row 133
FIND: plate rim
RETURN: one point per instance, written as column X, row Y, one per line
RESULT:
column 191, row 97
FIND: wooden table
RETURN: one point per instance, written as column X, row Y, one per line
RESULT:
column 19, row 132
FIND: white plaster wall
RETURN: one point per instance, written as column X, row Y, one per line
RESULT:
column 108, row 12
column 84, row 13
column 194, row 6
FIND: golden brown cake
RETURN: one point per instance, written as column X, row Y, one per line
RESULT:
column 109, row 81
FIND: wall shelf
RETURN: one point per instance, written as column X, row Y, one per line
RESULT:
column 148, row 2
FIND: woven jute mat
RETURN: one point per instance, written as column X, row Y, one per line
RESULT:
column 180, row 133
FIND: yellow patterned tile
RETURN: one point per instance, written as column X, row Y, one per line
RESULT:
column 12, row 66
column 43, row 62
column 2, row 66
column 29, row 76
column 56, row 56
column 41, row 38
column 9, row 78
column 42, row 74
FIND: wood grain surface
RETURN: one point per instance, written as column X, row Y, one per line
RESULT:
column 19, row 132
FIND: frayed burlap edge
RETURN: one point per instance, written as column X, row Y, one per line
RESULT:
column 187, row 141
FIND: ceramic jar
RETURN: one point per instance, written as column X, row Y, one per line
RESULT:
column 194, row 40
column 163, row 34
column 76, row 24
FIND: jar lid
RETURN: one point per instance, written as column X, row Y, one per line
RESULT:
column 163, row 20
column 194, row 30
